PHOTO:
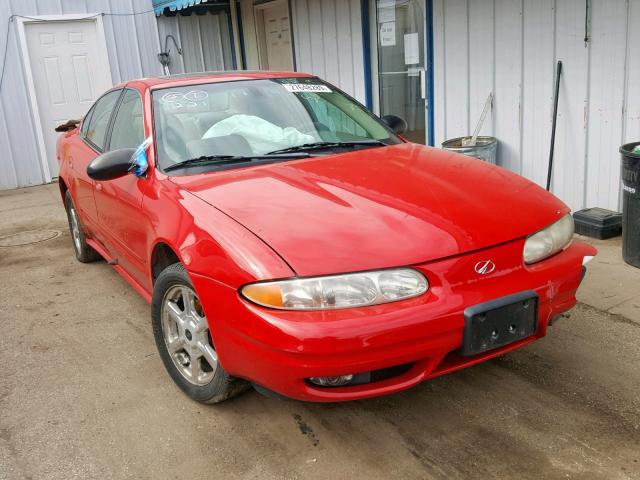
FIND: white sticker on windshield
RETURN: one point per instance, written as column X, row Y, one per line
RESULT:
column 306, row 87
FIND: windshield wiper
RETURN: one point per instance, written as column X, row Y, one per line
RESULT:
column 226, row 159
column 319, row 145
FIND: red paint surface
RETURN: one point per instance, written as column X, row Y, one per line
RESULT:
column 375, row 208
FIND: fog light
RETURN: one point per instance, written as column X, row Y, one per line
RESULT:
column 331, row 381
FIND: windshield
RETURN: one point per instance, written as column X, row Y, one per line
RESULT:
column 257, row 117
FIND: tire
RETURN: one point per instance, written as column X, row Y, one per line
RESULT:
column 84, row 253
column 184, row 342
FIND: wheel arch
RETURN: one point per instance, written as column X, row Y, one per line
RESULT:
column 162, row 255
column 62, row 185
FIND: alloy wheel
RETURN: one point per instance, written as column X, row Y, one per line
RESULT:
column 186, row 335
column 75, row 229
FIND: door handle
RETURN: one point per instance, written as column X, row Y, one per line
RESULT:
column 423, row 83
column 99, row 187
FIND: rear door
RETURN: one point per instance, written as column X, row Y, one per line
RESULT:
column 119, row 201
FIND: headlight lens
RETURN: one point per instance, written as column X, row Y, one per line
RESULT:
column 338, row 291
column 549, row 241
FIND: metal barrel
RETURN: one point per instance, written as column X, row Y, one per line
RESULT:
column 486, row 148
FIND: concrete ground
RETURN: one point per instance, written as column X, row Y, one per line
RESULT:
column 84, row 395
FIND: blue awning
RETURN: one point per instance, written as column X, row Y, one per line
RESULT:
column 173, row 5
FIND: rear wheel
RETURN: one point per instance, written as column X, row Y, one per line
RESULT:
column 84, row 253
column 183, row 339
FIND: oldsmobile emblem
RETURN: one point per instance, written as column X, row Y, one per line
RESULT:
column 485, row 267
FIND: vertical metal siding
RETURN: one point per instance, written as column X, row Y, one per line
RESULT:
column 328, row 42
column 631, row 129
column 19, row 155
column 570, row 162
column 508, row 80
column 132, row 44
column 205, row 41
column 481, row 58
column 510, row 47
column 537, row 72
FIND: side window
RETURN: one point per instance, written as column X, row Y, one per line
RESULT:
column 85, row 123
column 99, row 121
column 128, row 127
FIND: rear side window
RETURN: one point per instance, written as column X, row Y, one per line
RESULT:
column 85, row 123
column 128, row 126
column 96, row 132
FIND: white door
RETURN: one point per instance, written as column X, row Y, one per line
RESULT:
column 277, row 34
column 69, row 72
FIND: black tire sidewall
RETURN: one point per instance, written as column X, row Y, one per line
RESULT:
column 219, row 388
column 86, row 253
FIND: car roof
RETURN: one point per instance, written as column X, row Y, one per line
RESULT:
column 211, row 77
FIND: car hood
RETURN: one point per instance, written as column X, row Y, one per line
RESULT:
column 376, row 208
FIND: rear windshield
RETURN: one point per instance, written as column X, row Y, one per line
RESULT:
column 255, row 117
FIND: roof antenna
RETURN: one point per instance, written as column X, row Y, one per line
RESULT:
column 164, row 58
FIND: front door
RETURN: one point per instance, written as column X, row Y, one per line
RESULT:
column 69, row 73
column 401, row 63
column 275, row 32
column 119, row 201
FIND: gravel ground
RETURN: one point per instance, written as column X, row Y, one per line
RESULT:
column 83, row 394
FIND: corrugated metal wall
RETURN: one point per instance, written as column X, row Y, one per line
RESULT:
column 205, row 41
column 510, row 47
column 328, row 42
column 132, row 43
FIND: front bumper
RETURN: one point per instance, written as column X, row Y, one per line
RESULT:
column 278, row 350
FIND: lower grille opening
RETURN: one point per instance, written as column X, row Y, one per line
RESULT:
column 360, row 378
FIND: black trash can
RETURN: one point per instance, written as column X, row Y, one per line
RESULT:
column 631, row 204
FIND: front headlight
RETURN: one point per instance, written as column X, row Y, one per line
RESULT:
column 338, row 291
column 549, row 241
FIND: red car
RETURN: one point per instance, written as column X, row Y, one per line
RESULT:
column 289, row 239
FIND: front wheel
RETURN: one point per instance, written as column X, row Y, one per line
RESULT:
column 183, row 339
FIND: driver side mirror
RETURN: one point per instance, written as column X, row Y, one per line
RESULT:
column 397, row 124
column 110, row 165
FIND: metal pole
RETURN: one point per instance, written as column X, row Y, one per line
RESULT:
column 553, row 127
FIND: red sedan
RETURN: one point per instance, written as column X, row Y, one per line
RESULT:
column 288, row 239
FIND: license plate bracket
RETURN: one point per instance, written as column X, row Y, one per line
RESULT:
column 499, row 322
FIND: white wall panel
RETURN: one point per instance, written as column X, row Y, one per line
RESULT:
column 132, row 44
column 328, row 42
column 511, row 47
column 606, row 101
column 457, row 58
column 569, row 169
column 508, row 80
column 249, row 35
column 537, row 87
column 632, row 91
column 440, row 75
column 481, row 62
column 205, row 41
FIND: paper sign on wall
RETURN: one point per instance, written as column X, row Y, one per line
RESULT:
column 411, row 48
column 388, row 34
column 386, row 14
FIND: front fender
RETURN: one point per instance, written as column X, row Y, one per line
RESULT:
column 207, row 241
